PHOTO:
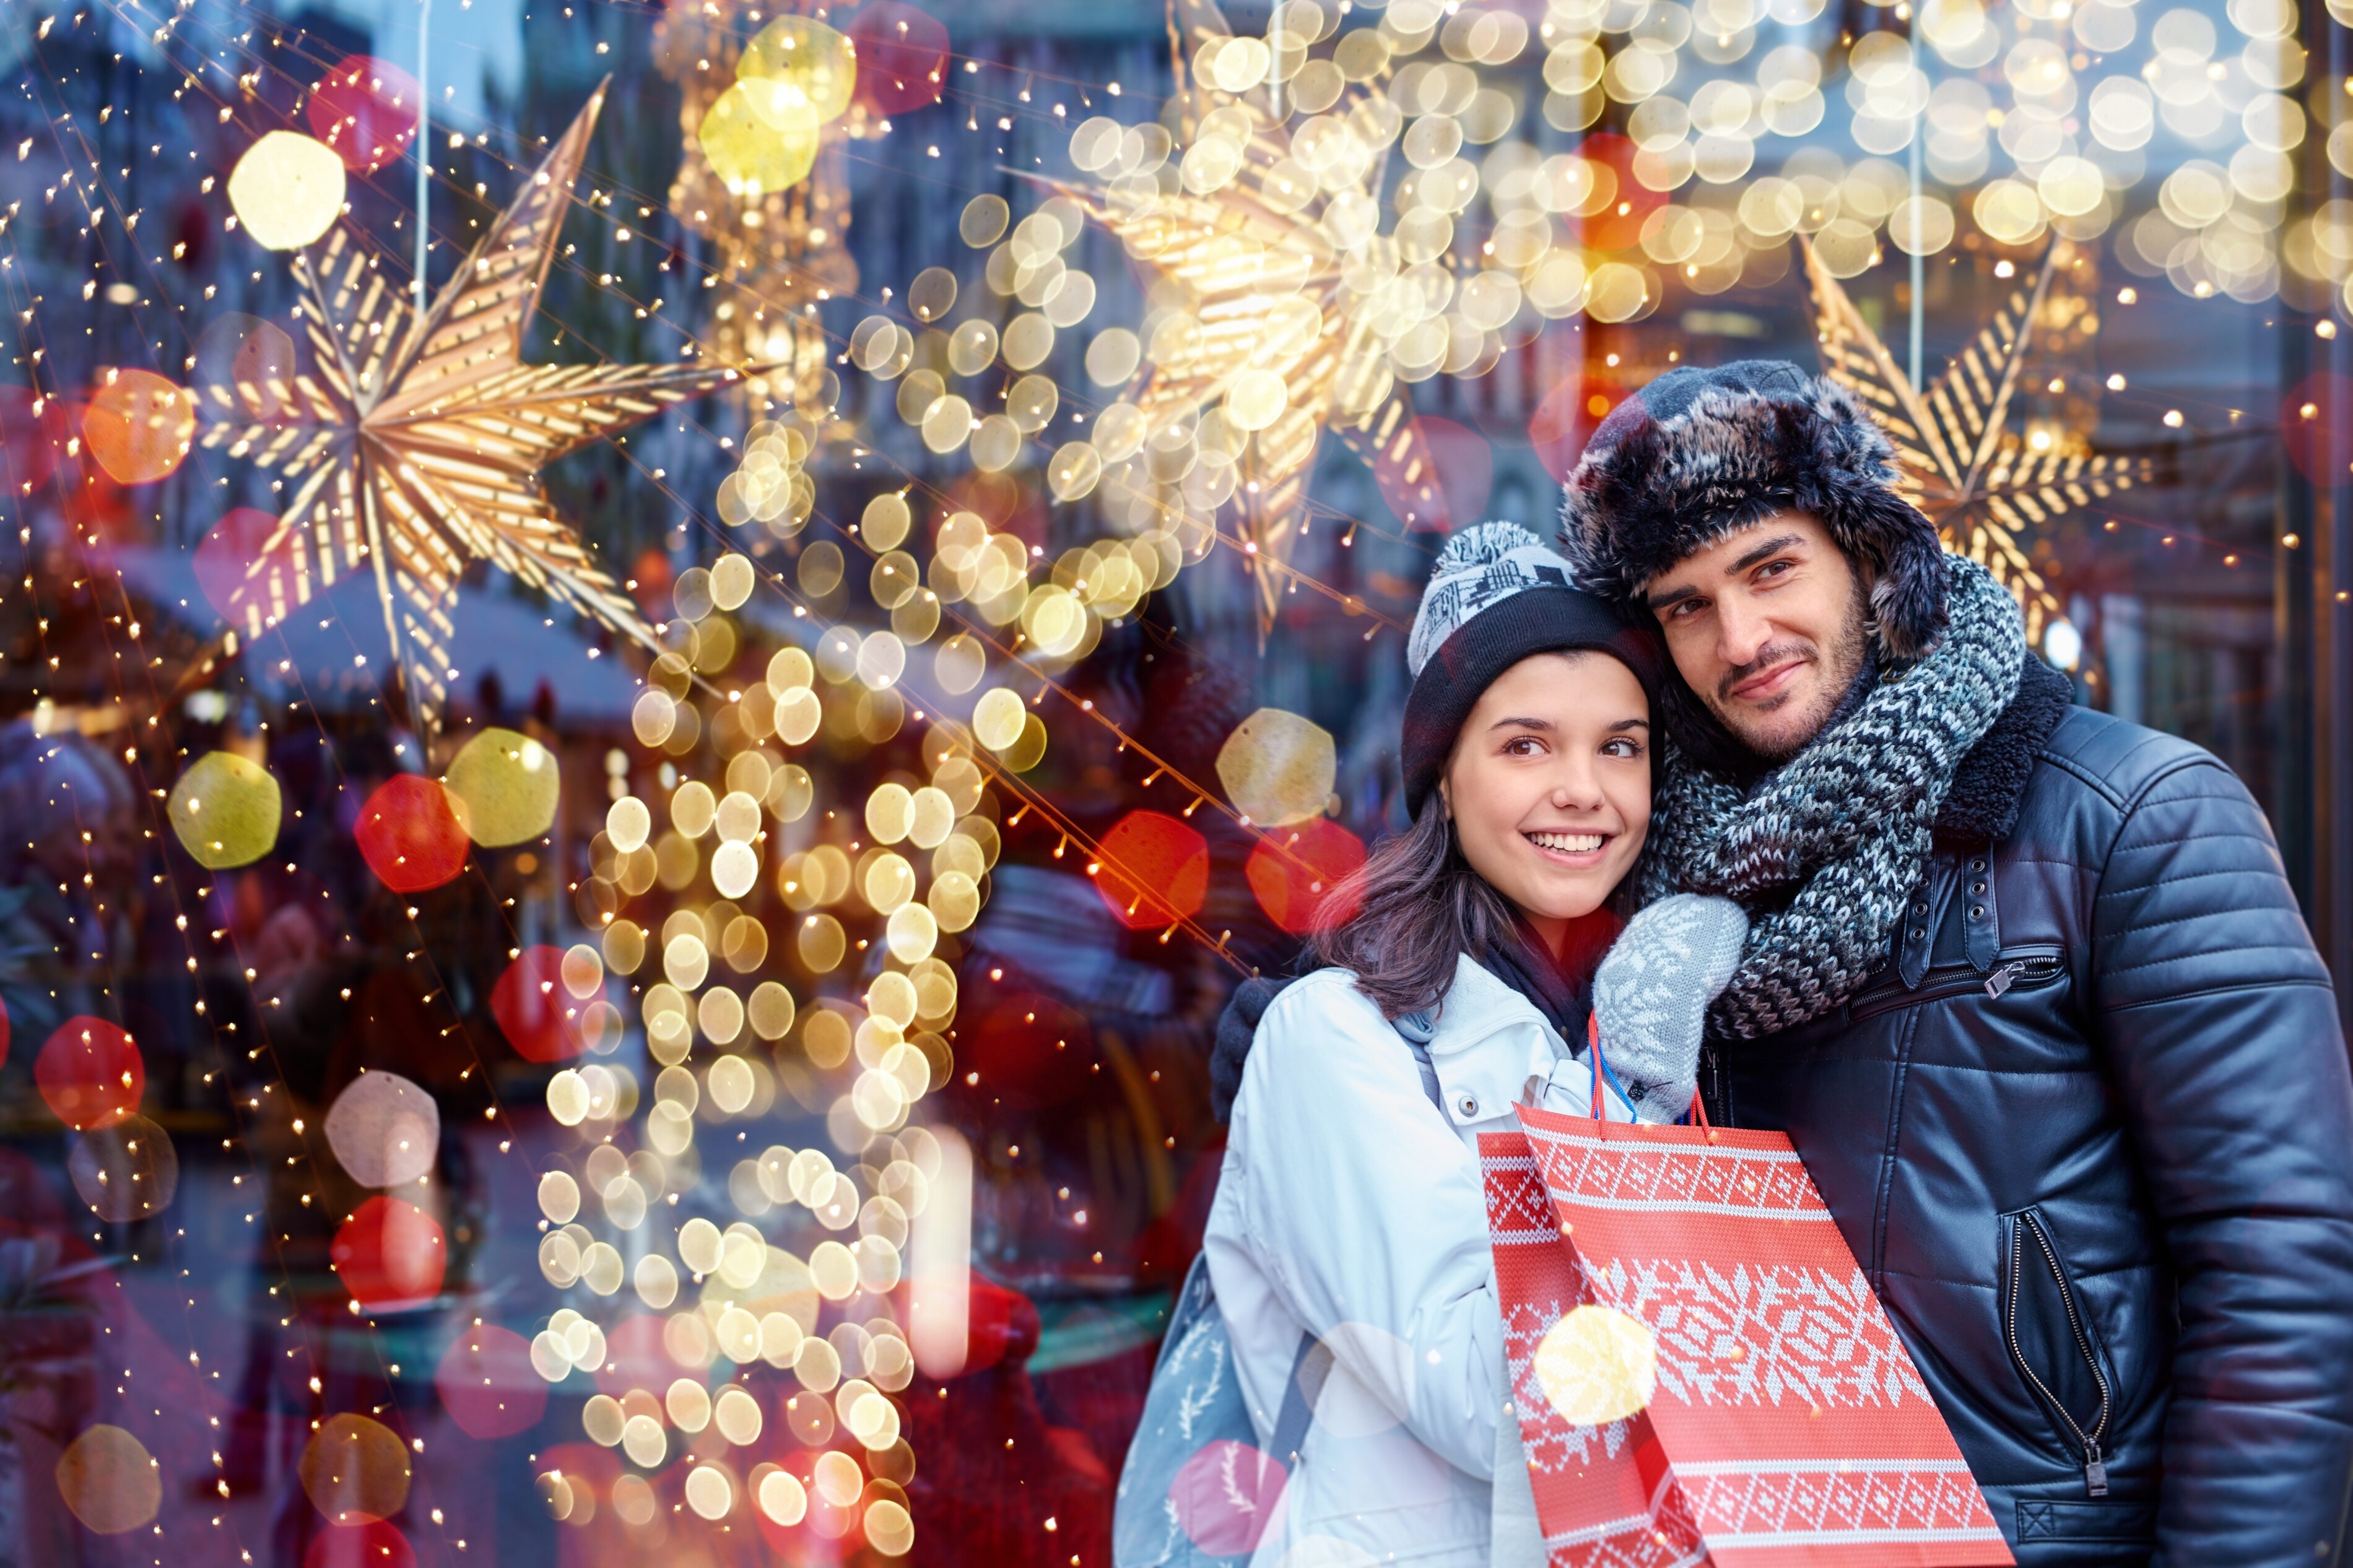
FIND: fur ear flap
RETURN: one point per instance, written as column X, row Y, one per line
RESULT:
column 1908, row 599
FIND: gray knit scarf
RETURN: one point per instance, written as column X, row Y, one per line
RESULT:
column 1846, row 823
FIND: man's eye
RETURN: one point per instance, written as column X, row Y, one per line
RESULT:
column 1686, row 608
column 1776, row 568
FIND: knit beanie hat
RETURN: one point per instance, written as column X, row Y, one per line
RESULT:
column 1497, row 595
column 1699, row 453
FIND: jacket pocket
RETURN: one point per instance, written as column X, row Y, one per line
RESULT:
column 2053, row 1344
column 2129, row 1523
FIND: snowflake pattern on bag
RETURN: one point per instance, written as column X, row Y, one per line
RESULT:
column 1758, row 1335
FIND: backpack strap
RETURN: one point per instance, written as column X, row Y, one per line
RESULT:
column 1415, row 1029
column 1312, row 1364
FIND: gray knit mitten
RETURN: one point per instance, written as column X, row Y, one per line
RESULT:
column 1651, row 992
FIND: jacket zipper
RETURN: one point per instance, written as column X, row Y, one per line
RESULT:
column 2017, row 969
column 2005, row 977
column 2095, row 1469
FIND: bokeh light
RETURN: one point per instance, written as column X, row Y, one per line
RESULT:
column 125, row 1171
column 288, row 190
column 139, row 425
column 224, row 808
column 486, row 1385
column 385, row 1129
column 1597, row 1365
column 503, row 786
column 110, row 1480
column 539, row 1016
column 409, row 834
column 354, row 1469
column 390, row 1253
column 1293, row 871
column 90, row 1073
column 1154, row 869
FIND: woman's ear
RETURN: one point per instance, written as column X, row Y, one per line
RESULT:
column 1445, row 800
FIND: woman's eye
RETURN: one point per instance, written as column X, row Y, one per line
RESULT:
column 1622, row 747
column 1522, row 746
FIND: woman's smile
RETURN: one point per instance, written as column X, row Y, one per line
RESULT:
column 1569, row 846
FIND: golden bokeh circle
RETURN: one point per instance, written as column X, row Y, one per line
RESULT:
column 354, row 1469
column 226, row 810
column 812, row 59
column 288, row 190
column 110, row 1480
column 1597, row 1365
column 503, row 786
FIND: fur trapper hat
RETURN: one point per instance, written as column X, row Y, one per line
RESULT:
column 1699, row 453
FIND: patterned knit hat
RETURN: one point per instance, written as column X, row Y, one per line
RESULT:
column 1700, row 454
column 1496, row 596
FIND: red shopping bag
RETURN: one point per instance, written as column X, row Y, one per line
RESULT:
column 1700, row 1371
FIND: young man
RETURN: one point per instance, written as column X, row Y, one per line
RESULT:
column 2025, row 985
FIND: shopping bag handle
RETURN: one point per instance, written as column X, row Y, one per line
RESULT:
column 1593, row 1042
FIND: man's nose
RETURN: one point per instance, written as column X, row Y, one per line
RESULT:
column 1742, row 630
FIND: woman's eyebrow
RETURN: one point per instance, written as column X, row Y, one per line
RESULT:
column 1521, row 724
column 1623, row 725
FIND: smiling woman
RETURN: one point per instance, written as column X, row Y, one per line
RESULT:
column 1549, row 789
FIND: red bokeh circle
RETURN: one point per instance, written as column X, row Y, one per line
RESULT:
column 28, row 441
column 2319, row 443
column 222, row 560
column 1565, row 417
column 1292, row 871
column 90, row 1072
column 488, row 1385
column 409, row 834
column 1439, row 477
column 1225, row 1495
column 390, row 1253
column 138, row 426
column 541, row 1019
column 1152, row 869
column 368, row 1543
column 365, row 109
column 902, row 58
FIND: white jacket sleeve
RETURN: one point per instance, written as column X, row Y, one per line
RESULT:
column 1366, row 1211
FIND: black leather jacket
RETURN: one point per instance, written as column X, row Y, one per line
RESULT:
column 2090, row 1135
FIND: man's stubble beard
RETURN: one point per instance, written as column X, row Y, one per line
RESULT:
column 1842, row 665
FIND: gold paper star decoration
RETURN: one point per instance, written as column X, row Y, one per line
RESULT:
column 415, row 444
column 1986, row 486
column 1282, row 350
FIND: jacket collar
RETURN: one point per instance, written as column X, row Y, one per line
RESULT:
column 1479, row 1004
column 1991, row 784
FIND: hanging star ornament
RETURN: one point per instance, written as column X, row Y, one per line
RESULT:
column 1987, row 486
column 1281, row 350
column 417, row 442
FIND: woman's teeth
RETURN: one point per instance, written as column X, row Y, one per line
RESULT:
column 1568, row 843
